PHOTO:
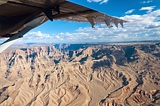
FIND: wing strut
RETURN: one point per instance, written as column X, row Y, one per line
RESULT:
column 48, row 12
column 12, row 39
column 28, row 26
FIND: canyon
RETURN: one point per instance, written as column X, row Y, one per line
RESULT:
column 80, row 75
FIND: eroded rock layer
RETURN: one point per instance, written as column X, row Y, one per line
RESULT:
column 81, row 75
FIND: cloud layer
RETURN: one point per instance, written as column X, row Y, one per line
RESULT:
column 139, row 27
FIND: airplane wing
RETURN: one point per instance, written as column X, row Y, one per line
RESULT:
column 74, row 12
column 17, row 17
column 57, row 10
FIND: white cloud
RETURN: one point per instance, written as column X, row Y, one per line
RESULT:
column 58, row 37
column 104, row 1
column 39, row 34
column 144, row 2
column 148, row 9
column 98, row 1
column 36, row 37
column 129, row 11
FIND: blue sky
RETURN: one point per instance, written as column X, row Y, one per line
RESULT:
column 143, row 17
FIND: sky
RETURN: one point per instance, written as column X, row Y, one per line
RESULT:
column 143, row 17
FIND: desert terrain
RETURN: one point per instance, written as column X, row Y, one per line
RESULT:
column 81, row 75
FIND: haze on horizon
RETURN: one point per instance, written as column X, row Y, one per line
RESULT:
column 143, row 17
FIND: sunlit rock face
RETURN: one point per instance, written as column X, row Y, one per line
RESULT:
column 81, row 75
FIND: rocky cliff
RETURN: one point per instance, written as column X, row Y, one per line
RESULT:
column 81, row 75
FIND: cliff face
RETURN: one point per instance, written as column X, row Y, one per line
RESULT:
column 76, row 75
